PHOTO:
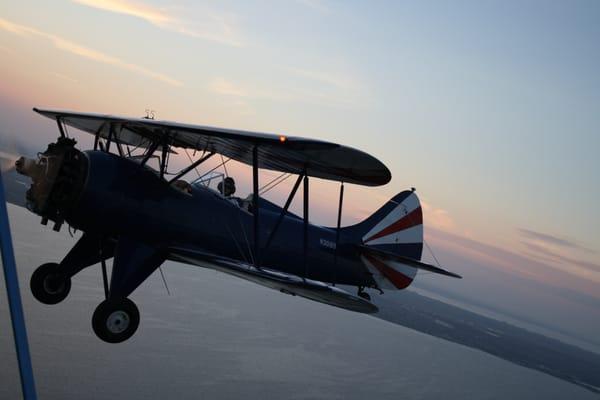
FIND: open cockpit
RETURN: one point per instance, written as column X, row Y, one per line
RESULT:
column 219, row 185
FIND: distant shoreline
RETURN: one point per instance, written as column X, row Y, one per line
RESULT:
column 503, row 317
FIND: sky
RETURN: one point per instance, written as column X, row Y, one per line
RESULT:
column 490, row 109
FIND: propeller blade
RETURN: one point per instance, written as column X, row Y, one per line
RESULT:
column 10, row 151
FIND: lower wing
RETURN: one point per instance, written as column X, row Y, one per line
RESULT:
column 285, row 283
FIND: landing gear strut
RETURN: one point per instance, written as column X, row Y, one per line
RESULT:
column 116, row 320
column 49, row 285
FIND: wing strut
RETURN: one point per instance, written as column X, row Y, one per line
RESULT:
column 150, row 152
column 284, row 211
column 97, row 136
column 60, row 127
column 109, row 139
column 337, row 232
column 104, row 272
column 116, row 139
column 163, row 158
column 305, row 225
column 255, row 207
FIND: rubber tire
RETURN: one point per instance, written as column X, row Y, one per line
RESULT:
column 40, row 286
column 104, row 311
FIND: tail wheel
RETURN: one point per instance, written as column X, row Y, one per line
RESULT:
column 115, row 320
column 49, row 285
column 364, row 295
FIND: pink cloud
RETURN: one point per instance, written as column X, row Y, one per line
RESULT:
column 85, row 52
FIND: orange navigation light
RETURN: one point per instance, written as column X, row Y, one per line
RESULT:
column 282, row 138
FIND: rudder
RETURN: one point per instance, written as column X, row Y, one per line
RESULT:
column 397, row 227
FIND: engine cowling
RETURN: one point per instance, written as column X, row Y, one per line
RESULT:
column 58, row 177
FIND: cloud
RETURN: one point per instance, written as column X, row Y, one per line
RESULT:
column 561, row 258
column 538, row 268
column 552, row 240
column 225, row 87
column 329, row 87
column 562, row 253
column 14, row 28
column 64, row 77
column 207, row 25
column 437, row 217
column 328, row 90
column 234, row 95
column 154, row 15
column 85, row 52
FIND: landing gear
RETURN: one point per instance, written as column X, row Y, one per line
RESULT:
column 49, row 285
column 116, row 320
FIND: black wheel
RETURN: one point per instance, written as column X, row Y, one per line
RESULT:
column 48, row 285
column 115, row 321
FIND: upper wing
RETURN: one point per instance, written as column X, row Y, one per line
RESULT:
column 276, row 152
column 285, row 283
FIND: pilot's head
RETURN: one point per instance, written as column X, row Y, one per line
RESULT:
column 227, row 187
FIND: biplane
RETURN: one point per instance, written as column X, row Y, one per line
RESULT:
column 141, row 215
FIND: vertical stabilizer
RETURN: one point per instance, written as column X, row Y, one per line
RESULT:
column 395, row 228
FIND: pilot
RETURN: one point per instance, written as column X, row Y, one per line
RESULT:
column 227, row 187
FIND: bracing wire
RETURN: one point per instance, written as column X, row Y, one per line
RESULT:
column 223, row 164
column 246, row 239
column 432, row 253
column 164, row 280
column 426, row 245
column 271, row 181
column 192, row 161
column 139, row 145
column 237, row 245
column 274, row 182
column 271, row 187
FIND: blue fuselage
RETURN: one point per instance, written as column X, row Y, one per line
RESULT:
column 121, row 197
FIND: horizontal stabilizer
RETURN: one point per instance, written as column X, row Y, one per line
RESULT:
column 386, row 255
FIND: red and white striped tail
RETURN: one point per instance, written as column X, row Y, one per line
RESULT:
column 399, row 231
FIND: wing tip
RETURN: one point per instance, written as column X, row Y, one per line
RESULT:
column 454, row 275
